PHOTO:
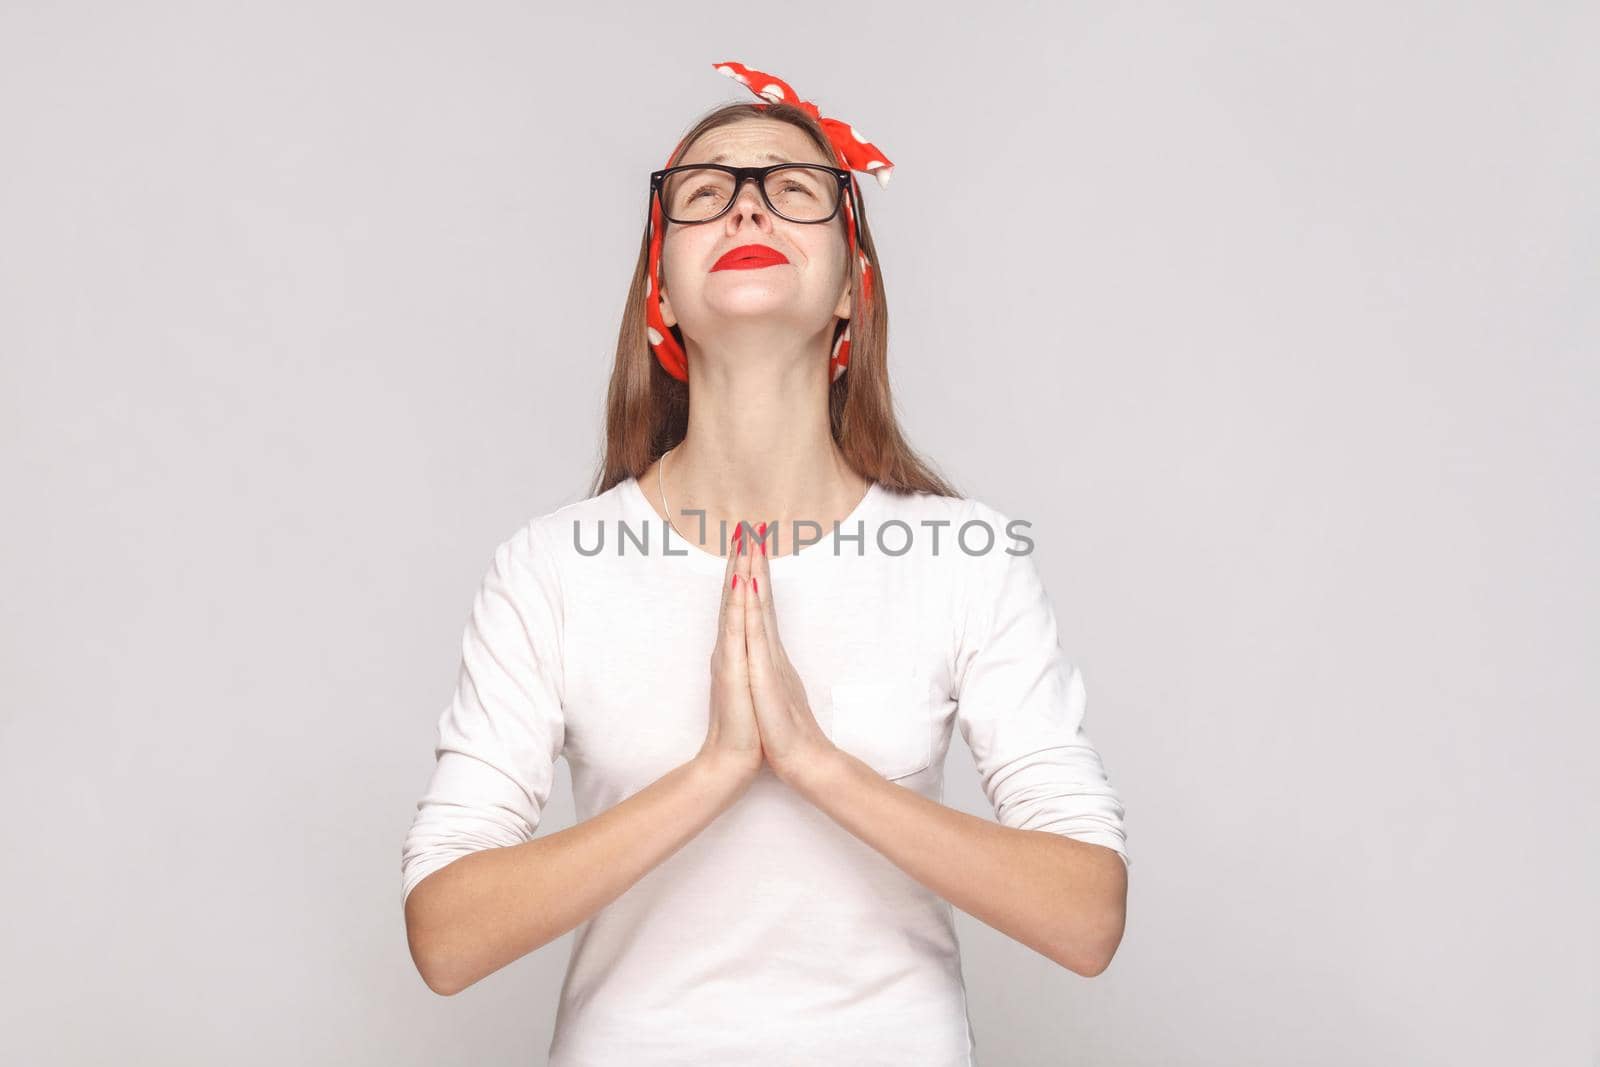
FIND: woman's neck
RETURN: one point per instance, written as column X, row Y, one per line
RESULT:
column 770, row 479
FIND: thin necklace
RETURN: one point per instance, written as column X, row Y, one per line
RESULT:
column 661, row 484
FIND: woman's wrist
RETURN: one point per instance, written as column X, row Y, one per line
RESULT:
column 809, row 773
column 726, row 770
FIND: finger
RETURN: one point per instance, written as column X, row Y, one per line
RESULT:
column 760, row 573
column 756, row 633
column 741, row 559
column 731, row 623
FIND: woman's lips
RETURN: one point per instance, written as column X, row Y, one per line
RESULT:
column 748, row 257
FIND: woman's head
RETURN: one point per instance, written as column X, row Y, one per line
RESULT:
column 824, row 293
column 805, row 296
column 797, row 126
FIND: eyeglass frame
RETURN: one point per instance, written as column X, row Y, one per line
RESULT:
column 740, row 175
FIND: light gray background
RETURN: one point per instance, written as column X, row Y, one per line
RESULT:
column 1278, row 321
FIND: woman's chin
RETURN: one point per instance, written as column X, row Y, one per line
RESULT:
column 752, row 301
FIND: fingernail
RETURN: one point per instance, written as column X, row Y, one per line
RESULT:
column 763, row 539
column 755, row 585
column 735, row 584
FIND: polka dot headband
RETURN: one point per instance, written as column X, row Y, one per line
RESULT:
column 853, row 151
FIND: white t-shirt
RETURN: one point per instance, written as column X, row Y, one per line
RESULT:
column 774, row 936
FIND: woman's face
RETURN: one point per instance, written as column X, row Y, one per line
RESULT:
column 785, row 300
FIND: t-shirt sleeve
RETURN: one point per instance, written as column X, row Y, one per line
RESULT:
column 500, row 735
column 1021, row 705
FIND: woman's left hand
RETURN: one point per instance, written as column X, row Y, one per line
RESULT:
column 790, row 736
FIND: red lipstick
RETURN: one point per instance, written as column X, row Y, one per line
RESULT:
column 748, row 257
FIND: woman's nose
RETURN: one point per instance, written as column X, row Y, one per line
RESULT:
column 749, row 201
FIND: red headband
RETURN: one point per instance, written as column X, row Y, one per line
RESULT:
column 854, row 152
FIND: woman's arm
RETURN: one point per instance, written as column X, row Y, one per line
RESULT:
column 1064, row 898
column 481, row 889
column 1048, row 874
column 489, row 908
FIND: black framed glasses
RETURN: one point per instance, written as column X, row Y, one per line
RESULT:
column 798, row 192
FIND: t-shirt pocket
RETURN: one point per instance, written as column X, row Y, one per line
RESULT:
column 886, row 725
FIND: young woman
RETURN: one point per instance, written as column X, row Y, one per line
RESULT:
column 756, row 723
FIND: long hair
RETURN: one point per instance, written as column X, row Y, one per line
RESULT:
column 647, row 409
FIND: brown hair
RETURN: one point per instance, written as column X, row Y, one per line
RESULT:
column 647, row 409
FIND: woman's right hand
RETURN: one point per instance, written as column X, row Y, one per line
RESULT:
column 733, row 741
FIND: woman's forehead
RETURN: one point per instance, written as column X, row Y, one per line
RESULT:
column 754, row 143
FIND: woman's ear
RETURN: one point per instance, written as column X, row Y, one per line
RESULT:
column 842, row 308
column 666, row 310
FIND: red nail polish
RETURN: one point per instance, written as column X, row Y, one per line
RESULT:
column 735, row 584
column 763, row 539
column 756, row 585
